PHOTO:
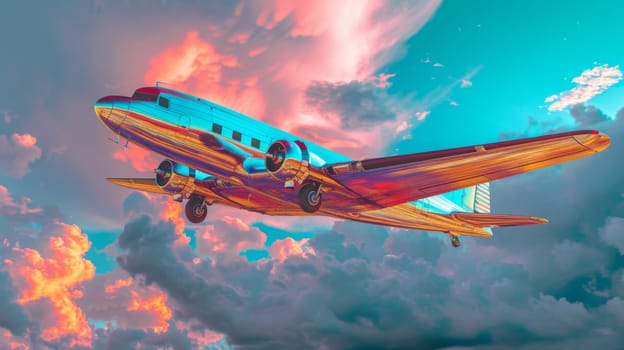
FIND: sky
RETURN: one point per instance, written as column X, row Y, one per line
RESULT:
column 87, row 265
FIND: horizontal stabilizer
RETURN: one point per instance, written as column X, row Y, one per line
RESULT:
column 497, row 220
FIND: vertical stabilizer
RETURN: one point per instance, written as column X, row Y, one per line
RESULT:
column 482, row 198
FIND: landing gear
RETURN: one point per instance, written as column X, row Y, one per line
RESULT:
column 196, row 209
column 310, row 198
column 455, row 240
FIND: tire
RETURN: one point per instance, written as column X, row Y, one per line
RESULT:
column 308, row 199
column 196, row 210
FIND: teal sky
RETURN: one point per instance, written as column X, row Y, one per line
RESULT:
column 527, row 51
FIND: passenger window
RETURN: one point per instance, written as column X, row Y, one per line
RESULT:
column 236, row 135
column 163, row 102
column 216, row 128
column 255, row 143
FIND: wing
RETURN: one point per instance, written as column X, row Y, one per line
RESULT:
column 147, row 185
column 394, row 180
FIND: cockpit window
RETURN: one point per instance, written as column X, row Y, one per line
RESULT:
column 163, row 102
column 142, row 96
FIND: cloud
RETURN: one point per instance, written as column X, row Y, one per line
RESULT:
column 590, row 83
column 354, row 105
column 422, row 115
column 587, row 115
column 140, row 159
column 281, row 249
column 272, row 84
column 17, row 153
column 48, row 278
column 13, row 317
column 9, row 207
column 613, row 234
column 227, row 237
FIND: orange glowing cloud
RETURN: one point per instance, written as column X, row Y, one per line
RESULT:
column 156, row 307
column 120, row 283
column 283, row 248
column 139, row 158
column 192, row 56
column 26, row 140
column 172, row 211
column 197, row 67
column 54, row 273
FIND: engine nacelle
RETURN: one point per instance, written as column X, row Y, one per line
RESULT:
column 177, row 178
column 286, row 159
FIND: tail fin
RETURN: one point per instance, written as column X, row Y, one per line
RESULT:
column 477, row 198
column 482, row 198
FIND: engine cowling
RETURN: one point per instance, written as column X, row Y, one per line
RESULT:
column 178, row 178
column 286, row 159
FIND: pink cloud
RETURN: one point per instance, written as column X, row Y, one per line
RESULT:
column 240, row 38
column 9, row 206
column 422, row 115
column 139, row 158
column 227, row 237
column 257, row 51
column 17, row 153
column 281, row 249
column 590, row 83
column 327, row 41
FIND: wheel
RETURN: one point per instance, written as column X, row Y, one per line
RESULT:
column 309, row 199
column 196, row 210
column 455, row 240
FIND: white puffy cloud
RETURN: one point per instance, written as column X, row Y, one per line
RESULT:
column 590, row 83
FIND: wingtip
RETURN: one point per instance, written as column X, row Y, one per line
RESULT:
column 595, row 141
column 539, row 221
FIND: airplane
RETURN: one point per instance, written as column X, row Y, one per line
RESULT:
column 215, row 155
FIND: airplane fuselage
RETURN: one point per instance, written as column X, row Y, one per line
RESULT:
column 221, row 156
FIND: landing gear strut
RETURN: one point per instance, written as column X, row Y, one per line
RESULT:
column 310, row 198
column 196, row 209
column 455, row 240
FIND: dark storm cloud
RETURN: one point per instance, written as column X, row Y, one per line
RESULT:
column 137, row 202
column 359, row 104
column 12, row 315
column 370, row 286
column 128, row 339
column 586, row 115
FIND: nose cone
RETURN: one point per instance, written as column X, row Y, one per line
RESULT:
column 103, row 108
column 111, row 110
